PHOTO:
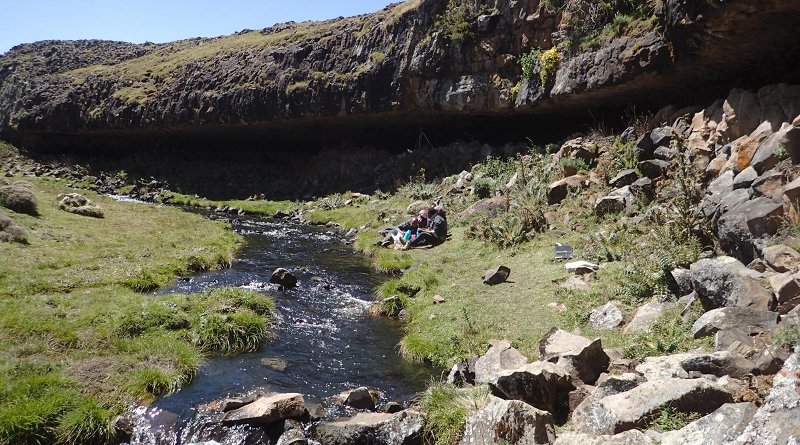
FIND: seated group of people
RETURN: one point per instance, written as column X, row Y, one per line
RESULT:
column 428, row 228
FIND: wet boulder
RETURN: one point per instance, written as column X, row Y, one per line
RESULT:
column 721, row 427
column 283, row 277
column 634, row 409
column 508, row 422
column 358, row 398
column 725, row 282
column 500, row 356
column 267, row 410
column 403, row 428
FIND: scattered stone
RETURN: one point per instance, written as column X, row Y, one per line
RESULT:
column 725, row 282
column 403, row 428
column 438, row 299
column 787, row 291
column 496, row 276
column 745, row 178
column 606, row 317
column 574, row 282
column 558, row 307
column 632, row 437
column 508, row 422
column 721, row 427
column 682, row 279
column 581, row 267
column 267, row 410
column 621, row 200
column 645, row 317
column 778, row 419
column 753, row 320
column 283, row 277
column 634, row 408
column 500, row 356
column 543, row 385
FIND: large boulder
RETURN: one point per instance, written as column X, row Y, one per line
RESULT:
column 753, row 320
column 403, row 428
column 787, row 291
column 584, row 359
column 623, row 178
column 635, row 408
column 778, row 419
column 614, row 384
column 721, row 427
column 621, row 200
column 632, row 437
column 267, row 410
column 543, row 385
column 745, row 223
column 509, row 422
column 685, row 365
column 725, row 282
column 500, row 357
column 487, row 207
column 558, row 341
column 358, row 398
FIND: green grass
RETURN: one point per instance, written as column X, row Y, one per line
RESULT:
column 80, row 344
column 447, row 408
column 254, row 207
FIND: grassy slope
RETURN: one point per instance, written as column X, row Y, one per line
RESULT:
column 78, row 344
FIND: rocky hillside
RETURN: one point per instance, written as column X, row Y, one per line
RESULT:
column 409, row 66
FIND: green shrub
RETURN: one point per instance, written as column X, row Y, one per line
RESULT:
column 788, row 337
column 529, row 62
column 499, row 169
column 86, row 424
column 484, row 187
column 671, row 334
column 18, row 196
column 10, row 232
column 417, row 188
column 549, row 61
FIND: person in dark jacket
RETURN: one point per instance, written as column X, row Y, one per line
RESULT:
column 435, row 233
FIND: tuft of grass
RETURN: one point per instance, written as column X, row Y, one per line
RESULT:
column 18, row 196
column 447, row 408
column 670, row 419
column 88, row 423
column 671, row 334
column 240, row 331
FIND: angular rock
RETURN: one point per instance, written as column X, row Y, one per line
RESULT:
column 615, row 384
column 682, row 279
column 725, row 282
column 543, row 385
column 643, row 189
column 754, row 321
column 283, row 277
column 745, row 178
column 559, row 190
column 558, row 341
column 391, row 407
column 653, row 168
column 496, row 276
column 769, row 185
column 633, row 409
column 647, row 144
column 778, row 419
column 721, row 427
column 463, row 373
column 746, row 222
column 500, row 357
column 403, row 428
column 644, row 317
column 605, row 317
column 632, row 437
column 618, row 201
column 623, row 178
column 782, row 258
column 508, row 422
column 267, row 410
column 786, row 287
column 587, row 363
column 687, row 364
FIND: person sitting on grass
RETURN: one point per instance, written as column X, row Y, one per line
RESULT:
column 435, row 233
column 395, row 235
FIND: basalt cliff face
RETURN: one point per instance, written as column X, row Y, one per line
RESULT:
column 449, row 69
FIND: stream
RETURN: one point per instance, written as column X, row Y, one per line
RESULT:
column 324, row 343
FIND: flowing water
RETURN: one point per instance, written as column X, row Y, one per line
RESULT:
column 325, row 342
